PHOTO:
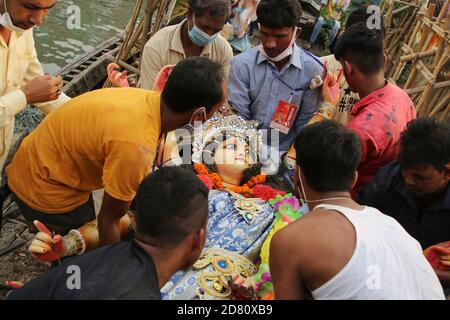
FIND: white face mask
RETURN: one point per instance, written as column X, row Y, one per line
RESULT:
column 5, row 20
column 286, row 53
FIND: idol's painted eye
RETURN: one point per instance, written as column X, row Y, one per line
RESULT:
column 231, row 146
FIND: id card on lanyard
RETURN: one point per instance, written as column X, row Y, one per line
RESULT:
column 286, row 112
column 285, row 115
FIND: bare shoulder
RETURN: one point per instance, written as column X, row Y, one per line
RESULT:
column 314, row 229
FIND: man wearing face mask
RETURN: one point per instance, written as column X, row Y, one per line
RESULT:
column 271, row 83
column 108, row 138
column 364, row 254
column 416, row 189
column 196, row 36
column 22, row 80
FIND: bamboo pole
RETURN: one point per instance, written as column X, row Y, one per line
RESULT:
column 439, row 94
column 441, row 105
column 137, row 36
column 446, row 111
column 440, row 66
column 438, row 85
column 148, row 15
column 443, row 12
column 418, row 55
column 130, row 28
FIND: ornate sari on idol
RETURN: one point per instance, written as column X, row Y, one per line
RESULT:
column 237, row 226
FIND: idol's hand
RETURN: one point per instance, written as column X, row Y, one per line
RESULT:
column 45, row 247
column 242, row 288
column 439, row 256
column 118, row 79
column 162, row 77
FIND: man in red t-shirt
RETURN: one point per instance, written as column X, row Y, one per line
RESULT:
column 384, row 109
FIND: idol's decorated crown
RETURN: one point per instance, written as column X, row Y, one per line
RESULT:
column 232, row 126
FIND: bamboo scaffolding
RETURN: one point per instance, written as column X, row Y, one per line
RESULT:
column 428, row 58
column 156, row 14
column 400, row 31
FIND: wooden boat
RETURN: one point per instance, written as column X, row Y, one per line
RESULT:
column 88, row 72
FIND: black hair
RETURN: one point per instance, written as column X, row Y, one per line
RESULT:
column 171, row 203
column 328, row 154
column 363, row 47
column 176, row 20
column 361, row 14
column 193, row 83
column 279, row 13
column 425, row 141
column 277, row 181
column 215, row 8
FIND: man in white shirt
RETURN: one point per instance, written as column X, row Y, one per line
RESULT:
column 22, row 80
column 341, row 250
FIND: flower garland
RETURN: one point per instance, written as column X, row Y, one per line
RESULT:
column 248, row 189
column 211, row 180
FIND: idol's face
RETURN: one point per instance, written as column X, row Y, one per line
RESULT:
column 232, row 158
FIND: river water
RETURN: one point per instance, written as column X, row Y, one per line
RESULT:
column 57, row 44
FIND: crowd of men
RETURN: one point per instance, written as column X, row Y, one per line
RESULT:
column 373, row 173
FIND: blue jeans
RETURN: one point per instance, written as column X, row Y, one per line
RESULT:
column 332, row 33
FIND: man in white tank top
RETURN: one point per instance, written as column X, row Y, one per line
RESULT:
column 342, row 250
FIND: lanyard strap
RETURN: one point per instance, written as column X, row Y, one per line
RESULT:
column 314, row 58
column 158, row 149
column 301, row 89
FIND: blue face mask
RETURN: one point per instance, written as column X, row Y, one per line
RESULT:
column 199, row 37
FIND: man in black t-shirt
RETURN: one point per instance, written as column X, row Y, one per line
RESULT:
column 170, row 223
column 415, row 190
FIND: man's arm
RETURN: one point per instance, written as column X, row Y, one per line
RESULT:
column 111, row 212
column 41, row 90
column 283, row 270
column 312, row 99
column 11, row 104
column 239, row 88
column 309, row 105
column 125, row 167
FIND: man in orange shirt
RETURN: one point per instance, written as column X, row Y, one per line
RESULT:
column 106, row 139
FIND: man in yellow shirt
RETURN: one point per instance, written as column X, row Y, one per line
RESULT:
column 196, row 36
column 22, row 80
column 106, row 139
